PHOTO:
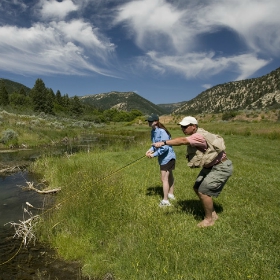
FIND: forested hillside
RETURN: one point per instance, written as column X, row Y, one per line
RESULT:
column 261, row 93
column 15, row 97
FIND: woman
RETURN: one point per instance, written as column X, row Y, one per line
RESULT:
column 166, row 157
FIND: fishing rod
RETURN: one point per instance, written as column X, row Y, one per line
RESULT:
column 109, row 175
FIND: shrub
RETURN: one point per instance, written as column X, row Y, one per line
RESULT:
column 35, row 122
column 8, row 136
column 20, row 123
column 229, row 115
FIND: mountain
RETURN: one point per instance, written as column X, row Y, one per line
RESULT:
column 125, row 101
column 14, row 86
column 171, row 107
column 251, row 94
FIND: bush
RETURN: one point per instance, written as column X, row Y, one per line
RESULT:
column 229, row 115
column 9, row 136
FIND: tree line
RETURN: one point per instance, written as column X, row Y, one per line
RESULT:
column 43, row 99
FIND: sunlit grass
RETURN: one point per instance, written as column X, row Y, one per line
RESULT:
column 109, row 217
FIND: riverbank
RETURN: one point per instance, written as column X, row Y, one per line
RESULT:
column 37, row 260
column 108, row 212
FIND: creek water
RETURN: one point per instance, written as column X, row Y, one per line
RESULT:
column 34, row 261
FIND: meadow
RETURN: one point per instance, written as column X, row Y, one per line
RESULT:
column 107, row 215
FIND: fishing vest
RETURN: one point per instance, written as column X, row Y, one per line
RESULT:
column 199, row 158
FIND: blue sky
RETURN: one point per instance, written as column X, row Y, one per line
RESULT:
column 166, row 51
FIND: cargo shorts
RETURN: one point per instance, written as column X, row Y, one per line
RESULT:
column 211, row 181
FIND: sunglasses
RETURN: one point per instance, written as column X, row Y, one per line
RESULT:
column 185, row 126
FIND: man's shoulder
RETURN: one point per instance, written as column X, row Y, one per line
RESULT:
column 200, row 133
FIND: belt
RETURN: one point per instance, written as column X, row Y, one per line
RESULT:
column 223, row 160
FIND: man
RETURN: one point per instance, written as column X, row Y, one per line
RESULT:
column 204, row 150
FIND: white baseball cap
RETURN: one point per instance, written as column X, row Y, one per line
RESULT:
column 188, row 120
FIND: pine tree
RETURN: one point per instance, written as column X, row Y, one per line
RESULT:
column 22, row 91
column 76, row 106
column 66, row 101
column 49, row 105
column 39, row 95
column 59, row 98
column 4, row 95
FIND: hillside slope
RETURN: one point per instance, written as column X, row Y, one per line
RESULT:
column 125, row 101
column 12, row 86
column 251, row 94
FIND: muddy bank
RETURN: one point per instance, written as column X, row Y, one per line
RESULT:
column 33, row 262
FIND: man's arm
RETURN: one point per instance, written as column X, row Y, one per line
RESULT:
column 173, row 142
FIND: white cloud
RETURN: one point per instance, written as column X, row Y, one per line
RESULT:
column 169, row 32
column 154, row 23
column 52, row 9
column 256, row 21
column 46, row 49
column 82, row 32
column 182, row 25
column 248, row 64
column 157, row 24
column 193, row 65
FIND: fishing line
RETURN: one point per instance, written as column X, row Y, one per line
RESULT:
column 97, row 181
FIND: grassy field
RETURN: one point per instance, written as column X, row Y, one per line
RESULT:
column 108, row 216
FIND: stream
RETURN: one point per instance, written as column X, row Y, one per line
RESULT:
column 34, row 261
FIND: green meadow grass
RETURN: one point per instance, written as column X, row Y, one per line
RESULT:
column 108, row 218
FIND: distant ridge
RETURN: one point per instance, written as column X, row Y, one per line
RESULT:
column 251, row 94
column 171, row 107
column 12, row 86
column 125, row 101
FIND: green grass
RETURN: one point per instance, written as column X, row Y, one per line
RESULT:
column 108, row 216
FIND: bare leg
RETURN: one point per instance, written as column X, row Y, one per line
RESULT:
column 171, row 182
column 207, row 203
column 214, row 214
column 165, row 183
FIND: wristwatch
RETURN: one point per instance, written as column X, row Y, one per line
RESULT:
column 164, row 142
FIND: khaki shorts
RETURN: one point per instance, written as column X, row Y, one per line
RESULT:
column 211, row 181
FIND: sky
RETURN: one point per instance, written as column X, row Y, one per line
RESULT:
column 167, row 51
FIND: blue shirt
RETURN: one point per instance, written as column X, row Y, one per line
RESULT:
column 164, row 153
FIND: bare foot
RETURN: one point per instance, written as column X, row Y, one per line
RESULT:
column 215, row 217
column 206, row 223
